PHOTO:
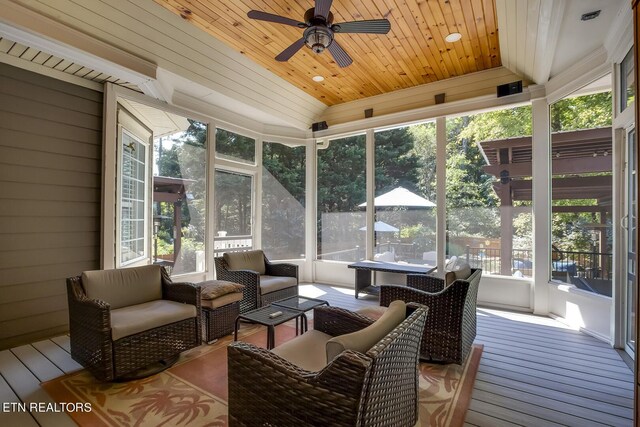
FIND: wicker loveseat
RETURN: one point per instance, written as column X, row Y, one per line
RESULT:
column 347, row 371
column 451, row 325
column 264, row 281
column 123, row 320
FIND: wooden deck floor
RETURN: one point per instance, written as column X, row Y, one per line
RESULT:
column 534, row 372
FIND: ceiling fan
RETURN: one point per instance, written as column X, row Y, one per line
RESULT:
column 319, row 31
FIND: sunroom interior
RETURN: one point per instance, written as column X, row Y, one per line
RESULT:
column 164, row 132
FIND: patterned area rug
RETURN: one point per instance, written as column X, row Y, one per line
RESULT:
column 193, row 392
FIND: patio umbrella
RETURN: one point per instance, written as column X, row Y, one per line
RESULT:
column 400, row 197
column 382, row 227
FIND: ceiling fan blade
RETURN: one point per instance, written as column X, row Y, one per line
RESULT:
column 342, row 58
column 269, row 17
column 322, row 8
column 286, row 54
column 373, row 26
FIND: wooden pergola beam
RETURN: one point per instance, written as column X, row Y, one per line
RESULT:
column 559, row 167
column 560, row 138
column 577, row 209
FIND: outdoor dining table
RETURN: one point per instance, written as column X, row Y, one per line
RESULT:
column 365, row 270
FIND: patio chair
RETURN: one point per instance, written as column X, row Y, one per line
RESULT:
column 347, row 371
column 451, row 325
column 121, row 321
column 264, row 281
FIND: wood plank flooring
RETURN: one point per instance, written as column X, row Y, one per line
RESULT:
column 534, row 372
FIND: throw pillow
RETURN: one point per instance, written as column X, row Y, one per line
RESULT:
column 459, row 267
column 213, row 289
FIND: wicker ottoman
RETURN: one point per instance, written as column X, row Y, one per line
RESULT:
column 219, row 313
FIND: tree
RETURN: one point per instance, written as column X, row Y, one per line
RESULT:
column 283, row 200
column 396, row 162
column 424, row 149
column 235, row 146
column 581, row 112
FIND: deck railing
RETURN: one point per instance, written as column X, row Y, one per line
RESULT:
column 231, row 244
column 589, row 265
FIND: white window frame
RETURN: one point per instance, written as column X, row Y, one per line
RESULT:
column 133, row 130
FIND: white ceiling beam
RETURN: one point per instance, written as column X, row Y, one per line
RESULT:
column 528, row 43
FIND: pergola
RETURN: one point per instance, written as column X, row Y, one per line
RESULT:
column 574, row 154
column 172, row 190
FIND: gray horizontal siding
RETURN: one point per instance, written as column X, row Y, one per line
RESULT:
column 50, row 190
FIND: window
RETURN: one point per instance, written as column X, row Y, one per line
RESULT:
column 233, row 195
column 341, row 191
column 488, row 187
column 133, row 198
column 626, row 89
column 405, row 183
column 179, row 197
column 283, row 201
column 232, row 146
column 581, row 151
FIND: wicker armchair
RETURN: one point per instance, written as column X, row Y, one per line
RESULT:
column 376, row 388
column 264, row 281
column 451, row 325
column 123, row 320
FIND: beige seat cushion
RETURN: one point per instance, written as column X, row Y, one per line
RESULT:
column 124, row 286
column 306, row 351
column 142, row 317
column 270, row 284
column 221, row 301
column 249, row 260
column 366, row 338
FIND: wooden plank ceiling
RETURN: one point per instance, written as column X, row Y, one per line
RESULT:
column 413, row 53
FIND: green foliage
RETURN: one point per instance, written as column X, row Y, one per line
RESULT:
column 283, row 200
column 582, row 112
column 287, row 165
column 234, row 146
column 396, row 163
column 500, row 124
column 183, row 156
column 424, row 149
column 233, row 203
column 341, row 175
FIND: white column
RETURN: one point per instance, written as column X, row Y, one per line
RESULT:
column 311, row 210
column 109, row 175
column 256, row 226
column 371, row 192
column 541, row 168
column 211, row 205
column 441, row 197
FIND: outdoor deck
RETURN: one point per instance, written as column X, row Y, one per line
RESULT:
column 534, row 372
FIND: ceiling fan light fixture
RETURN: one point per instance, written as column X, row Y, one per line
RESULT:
column 318, row 38
column 453, row 37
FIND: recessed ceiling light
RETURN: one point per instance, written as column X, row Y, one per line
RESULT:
column 317, row 78
column 453, row 37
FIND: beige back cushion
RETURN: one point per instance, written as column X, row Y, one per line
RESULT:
column 366, row 338
column 249, row 260
column 125, row 286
